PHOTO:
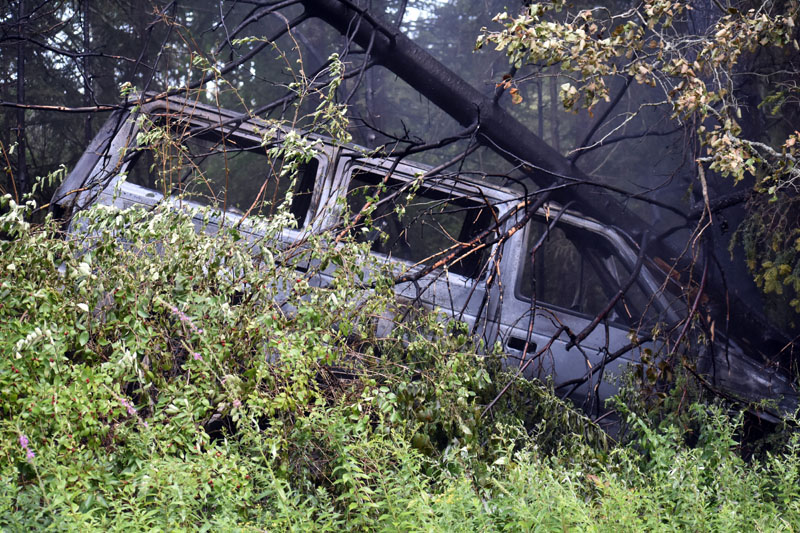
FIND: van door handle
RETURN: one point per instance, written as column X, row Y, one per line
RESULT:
column 515, row 343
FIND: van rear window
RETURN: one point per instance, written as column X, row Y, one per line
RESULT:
column 227, row 174
column 421, row 227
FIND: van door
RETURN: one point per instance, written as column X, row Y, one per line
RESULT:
column 564, row 273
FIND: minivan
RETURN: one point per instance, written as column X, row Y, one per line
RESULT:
column 525, row 274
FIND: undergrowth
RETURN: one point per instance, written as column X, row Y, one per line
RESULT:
column 157, row 378
column 165, row 372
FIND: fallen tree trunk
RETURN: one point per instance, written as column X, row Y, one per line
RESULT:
column 497, row 129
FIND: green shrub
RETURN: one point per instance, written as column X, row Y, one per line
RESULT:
column 160, row 378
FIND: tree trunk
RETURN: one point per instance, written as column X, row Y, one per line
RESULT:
column 540, row 114
column 87, row 76
column 22, row 162
column 554, row 134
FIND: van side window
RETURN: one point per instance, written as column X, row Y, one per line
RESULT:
column 428, row 223
column 227, row 174
column 577, row 270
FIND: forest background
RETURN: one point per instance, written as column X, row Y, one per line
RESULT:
column 693, row 131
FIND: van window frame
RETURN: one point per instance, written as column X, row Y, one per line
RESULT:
column 459, row 191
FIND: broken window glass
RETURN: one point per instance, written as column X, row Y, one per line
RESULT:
column 422, row 227
column 226, row 173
